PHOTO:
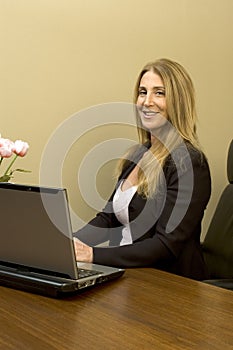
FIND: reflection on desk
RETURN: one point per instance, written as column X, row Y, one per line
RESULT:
column 145, row 309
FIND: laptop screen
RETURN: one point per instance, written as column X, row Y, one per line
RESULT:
column 35, row 229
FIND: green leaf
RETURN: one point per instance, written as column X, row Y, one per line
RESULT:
column 5, row 178
column 23, row 170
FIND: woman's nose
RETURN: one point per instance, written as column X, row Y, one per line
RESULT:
column 148, row 99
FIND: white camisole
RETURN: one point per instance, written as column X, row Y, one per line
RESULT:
column 121, row 202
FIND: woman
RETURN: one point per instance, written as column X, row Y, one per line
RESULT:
column 154, row 215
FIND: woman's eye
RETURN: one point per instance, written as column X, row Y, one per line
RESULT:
column 142, row 92
column 160, row 93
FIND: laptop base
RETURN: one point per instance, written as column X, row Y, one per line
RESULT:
column 53, row 286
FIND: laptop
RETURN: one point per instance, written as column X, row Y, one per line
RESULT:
column 36, row 244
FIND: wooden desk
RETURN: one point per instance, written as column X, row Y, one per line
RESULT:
column 145, row 309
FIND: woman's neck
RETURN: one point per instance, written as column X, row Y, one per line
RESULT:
column 153, row 139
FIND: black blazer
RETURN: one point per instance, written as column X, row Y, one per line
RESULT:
column 166, row 229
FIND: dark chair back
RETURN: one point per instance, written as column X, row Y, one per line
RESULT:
column 218, row 242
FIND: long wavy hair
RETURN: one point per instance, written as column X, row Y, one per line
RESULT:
column 181, row 126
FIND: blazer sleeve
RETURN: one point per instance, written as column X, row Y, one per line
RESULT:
column 188, row 192
column 100, row 228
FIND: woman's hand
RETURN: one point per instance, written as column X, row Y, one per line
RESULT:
column 83, row 252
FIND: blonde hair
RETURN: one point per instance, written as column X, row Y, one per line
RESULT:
column 181, row 113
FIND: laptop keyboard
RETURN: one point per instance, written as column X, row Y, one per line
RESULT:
column 82, row 273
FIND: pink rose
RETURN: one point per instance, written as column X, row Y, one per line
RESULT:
column 6, row 148
column 20, row 148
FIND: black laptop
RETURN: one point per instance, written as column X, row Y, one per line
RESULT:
column 36, row 244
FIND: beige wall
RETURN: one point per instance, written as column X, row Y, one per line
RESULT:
column 58, row 57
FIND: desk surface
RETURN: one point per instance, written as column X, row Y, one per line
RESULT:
column 144, row 309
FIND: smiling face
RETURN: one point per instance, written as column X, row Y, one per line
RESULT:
column 151, row 102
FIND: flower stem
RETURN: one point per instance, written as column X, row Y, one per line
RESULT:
column 12, row 162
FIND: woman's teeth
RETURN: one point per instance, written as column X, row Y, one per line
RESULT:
column 149, row 113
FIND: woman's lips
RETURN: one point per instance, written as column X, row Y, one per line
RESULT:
column 148, row 114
